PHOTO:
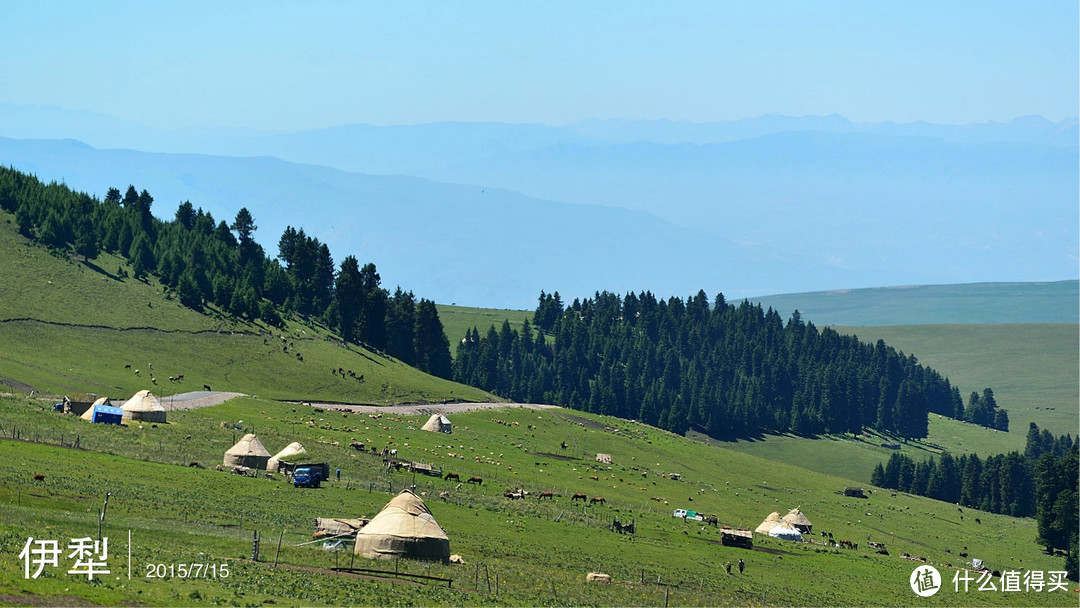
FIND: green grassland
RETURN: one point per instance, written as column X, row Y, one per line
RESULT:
column 540, row 550
column 855, row 457
column 1034, row 369
column 457, row 320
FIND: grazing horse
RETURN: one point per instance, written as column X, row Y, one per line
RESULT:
column 546, row 494
column 597, row 499
column 623, row 528
column 581, row 497
column 476, row 480
column 712, row 519
column 452, row 476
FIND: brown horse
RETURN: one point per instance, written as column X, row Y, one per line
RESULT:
column 546, row 494
column 581, row 497
column 452, row 476
column 476, row 480
column 597, row 499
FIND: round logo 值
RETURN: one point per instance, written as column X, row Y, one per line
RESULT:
column 925, row 581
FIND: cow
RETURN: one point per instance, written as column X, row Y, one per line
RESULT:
column 206, row 387
column 581, row 497
column 978, row 521
column 594, row 478
column 514, row 495
column 356, row 445
column 452, row 477
column 477, row 480
column 712, row 519
column 597, row 499
column 39, row 477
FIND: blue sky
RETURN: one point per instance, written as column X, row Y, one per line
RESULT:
column 297, row 65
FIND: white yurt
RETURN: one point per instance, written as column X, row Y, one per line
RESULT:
column 248, row 452
column 291, row 452
column 785, row 531
column 404, row 528
column 437, row 424
column 143, row 407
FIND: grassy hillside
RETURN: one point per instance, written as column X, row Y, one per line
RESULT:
column 855, row 457
column 68, row 326
column 457, row 320
column 1034, row 369
column 1053, row 302
column 539, row 550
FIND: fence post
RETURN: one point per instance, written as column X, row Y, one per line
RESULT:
column 278, row 552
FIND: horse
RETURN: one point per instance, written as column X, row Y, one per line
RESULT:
column 476, row 480
column 546, row 494
column 597, row 499
column 452, row 476
column 581, row 497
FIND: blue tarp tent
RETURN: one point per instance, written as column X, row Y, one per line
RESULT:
column 105, row 414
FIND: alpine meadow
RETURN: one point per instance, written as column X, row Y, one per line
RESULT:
column 540, row 304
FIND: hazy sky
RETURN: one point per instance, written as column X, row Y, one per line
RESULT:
column 296, row 65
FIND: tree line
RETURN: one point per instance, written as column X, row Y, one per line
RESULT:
column 722, row 369
column 203, row 261
column 1041, row 482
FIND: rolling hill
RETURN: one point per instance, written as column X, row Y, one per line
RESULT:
column 74, row 327
column 538, row 550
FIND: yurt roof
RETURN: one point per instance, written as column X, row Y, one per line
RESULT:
column 291, row 451
column 143, row 401
column 795, row 516
column 101, row 401
column 769, row 522
column 249, row 445
column 406, row 516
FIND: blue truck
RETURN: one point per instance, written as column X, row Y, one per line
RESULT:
column 310, row 475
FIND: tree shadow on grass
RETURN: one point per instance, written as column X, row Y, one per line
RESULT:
column 100, row 270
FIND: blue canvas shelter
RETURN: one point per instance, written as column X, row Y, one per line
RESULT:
column 105, row 414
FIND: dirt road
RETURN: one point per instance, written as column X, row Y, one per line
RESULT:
column 413, row 409
column 196, row 399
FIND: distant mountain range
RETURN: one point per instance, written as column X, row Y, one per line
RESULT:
column 488, row 214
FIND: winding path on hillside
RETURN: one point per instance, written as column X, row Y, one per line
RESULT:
column 197, row 399
column 413, row 409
